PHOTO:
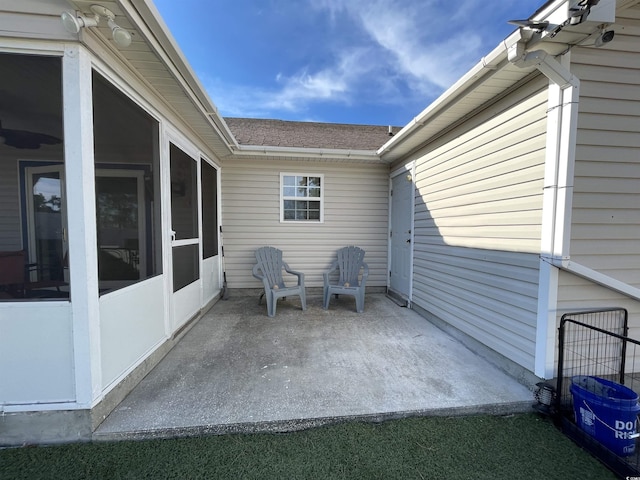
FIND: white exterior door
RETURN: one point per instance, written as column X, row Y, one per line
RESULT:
column 185, row 237
column 401, row 234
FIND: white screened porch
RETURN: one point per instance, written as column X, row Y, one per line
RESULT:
column 112, row 210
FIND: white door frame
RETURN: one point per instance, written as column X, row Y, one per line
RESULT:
column 409, row 171
column 186, row 302
column 211, row 279
column 142, row 228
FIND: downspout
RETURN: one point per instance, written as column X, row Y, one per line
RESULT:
column 562, row 120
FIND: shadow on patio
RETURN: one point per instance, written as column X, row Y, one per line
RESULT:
column 238, row 370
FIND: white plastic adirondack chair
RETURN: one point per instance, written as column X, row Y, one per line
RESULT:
column 269, row 270
column 349, row 264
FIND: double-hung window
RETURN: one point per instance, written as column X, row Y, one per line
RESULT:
column 301, row 197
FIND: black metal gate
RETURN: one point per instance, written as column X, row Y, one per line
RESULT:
column 595, row 343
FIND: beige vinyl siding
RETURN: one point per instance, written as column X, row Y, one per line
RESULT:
column 478, row 213
column 355, row 213
column 605, row 232
column 31, row 19
column 578, row 294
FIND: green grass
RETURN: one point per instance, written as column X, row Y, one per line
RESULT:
column 476, row 447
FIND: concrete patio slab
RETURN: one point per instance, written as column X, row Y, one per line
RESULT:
column 238, row 370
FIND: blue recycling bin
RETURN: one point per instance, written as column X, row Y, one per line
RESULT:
column 607, row 411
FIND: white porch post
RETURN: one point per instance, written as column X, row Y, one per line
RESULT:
column 80, row 199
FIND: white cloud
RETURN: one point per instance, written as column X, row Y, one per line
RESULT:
column 421, row 39
column 396, row 51
column 328, row 84
column 337, row 83
column 237, row 100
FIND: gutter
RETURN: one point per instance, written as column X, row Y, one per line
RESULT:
column 326, row 153
column 159, row 37
column 486, row 67
column 166, row 48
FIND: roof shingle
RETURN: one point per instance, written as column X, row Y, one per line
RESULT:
column 281, row 133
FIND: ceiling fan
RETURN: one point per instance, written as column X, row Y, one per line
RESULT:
column 25, row 139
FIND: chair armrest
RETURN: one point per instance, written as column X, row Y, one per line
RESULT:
column 300, row 275
column 332, row 268
column 259, row 274
column 365, row 273
column 256, row 269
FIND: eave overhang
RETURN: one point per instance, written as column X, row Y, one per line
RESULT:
column 495, row 73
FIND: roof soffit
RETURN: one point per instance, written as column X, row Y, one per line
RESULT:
column 155, row 58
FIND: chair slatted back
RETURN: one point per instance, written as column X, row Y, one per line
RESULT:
column 270, row 262
column 350, row 260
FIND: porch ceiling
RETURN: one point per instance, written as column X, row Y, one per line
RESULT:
column 158, row 62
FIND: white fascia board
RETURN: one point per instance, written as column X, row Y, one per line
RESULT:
column 326, row 153
column 149, row 21
column 489, row 64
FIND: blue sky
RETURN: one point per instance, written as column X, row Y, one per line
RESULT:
column 378, row 62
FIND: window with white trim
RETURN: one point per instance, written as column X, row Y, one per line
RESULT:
column 301, row 197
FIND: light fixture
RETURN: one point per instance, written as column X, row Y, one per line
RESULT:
column 119, row 34
column 73, row 24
